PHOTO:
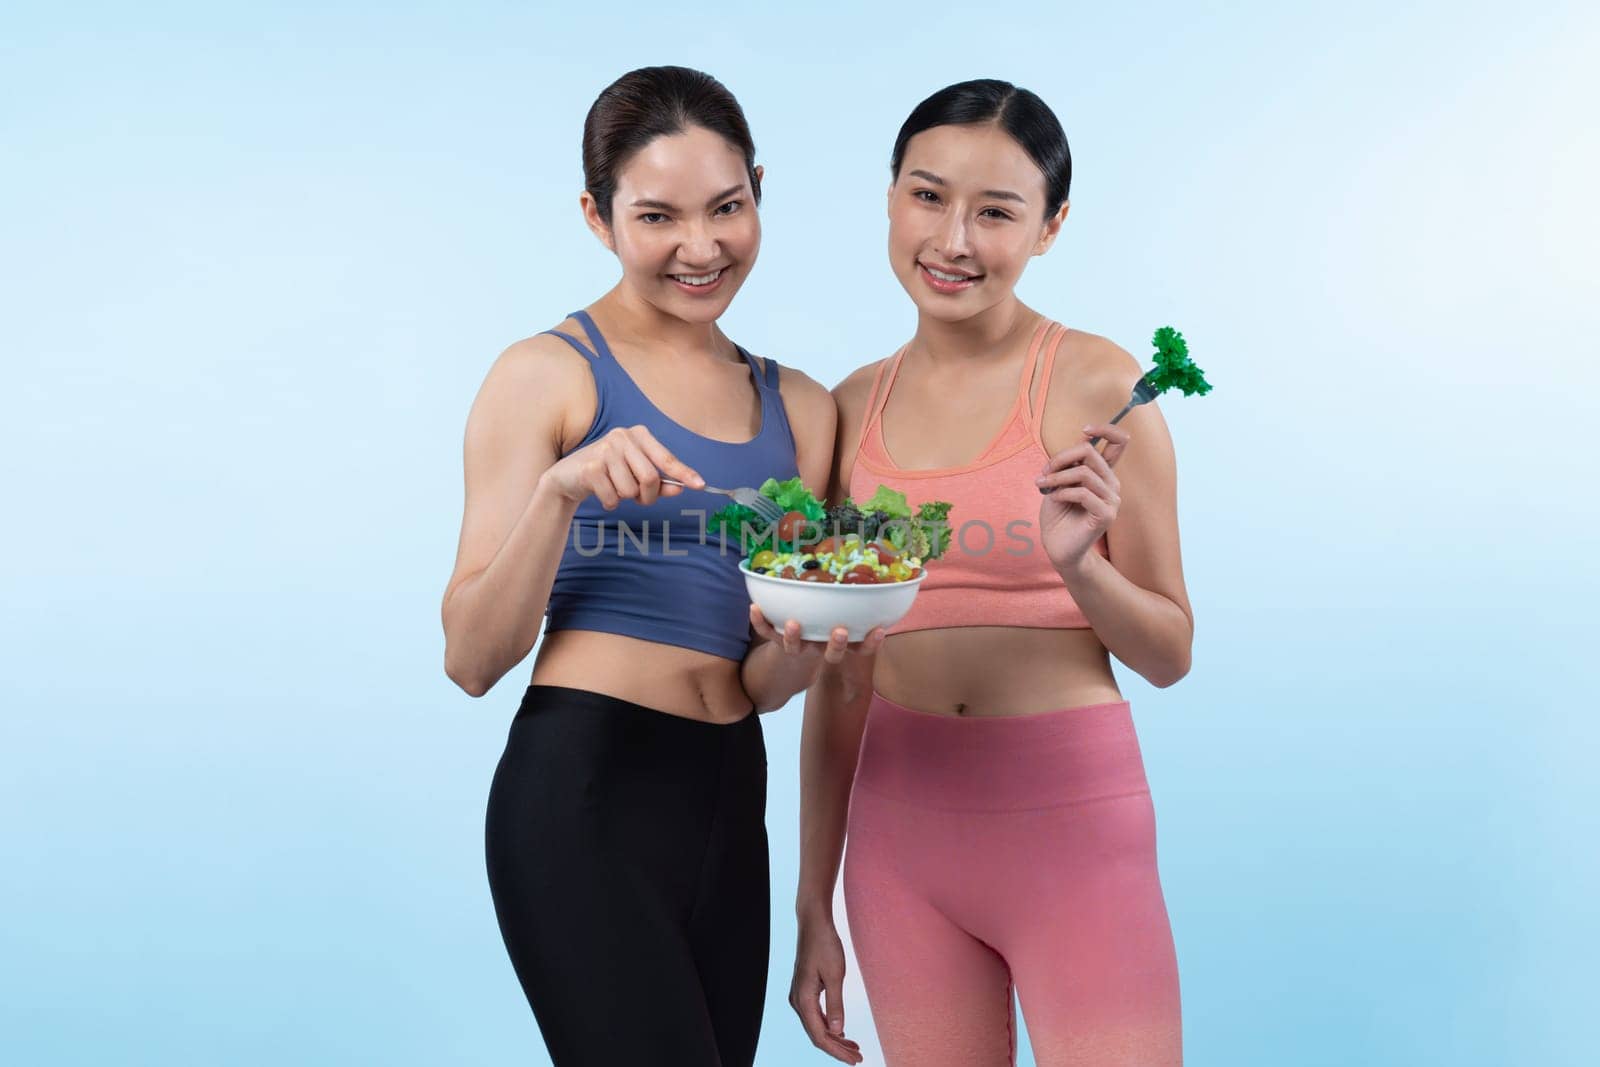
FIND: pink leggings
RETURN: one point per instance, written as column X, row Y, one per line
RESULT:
column 987, row 851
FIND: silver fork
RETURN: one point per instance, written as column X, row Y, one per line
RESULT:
column 750, row 498
column 1143, row 393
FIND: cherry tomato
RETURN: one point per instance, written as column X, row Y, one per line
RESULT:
column 859, row 575
column 827, row 544
column 818, row 575
column 787, row 572
column 886, row 552
column 914, row 572
column 792, row 525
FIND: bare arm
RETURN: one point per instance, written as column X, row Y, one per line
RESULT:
column 1135, row 600
column 521, row 495
column 513, row 527
column 830, row 739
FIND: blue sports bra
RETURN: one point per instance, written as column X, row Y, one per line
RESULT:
column 657, row 572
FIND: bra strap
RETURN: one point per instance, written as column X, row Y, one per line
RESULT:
column 602, row 349
column 766, row 377
column 573, row 341
column 875, row 399
column 887, row 373
column 1049, row 341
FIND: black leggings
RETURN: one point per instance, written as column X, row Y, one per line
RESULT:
column 627, row 854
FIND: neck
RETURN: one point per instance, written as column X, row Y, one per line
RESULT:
column 943, row 343
column 641, row 324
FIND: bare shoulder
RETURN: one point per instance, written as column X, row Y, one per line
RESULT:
column 1093, row 377
column 543, row 359
column 855, row 391
column 1100, row 369
column 812, row 421
column 541, row 384
column 851, row 397
column 802, row 394
column 859, row 381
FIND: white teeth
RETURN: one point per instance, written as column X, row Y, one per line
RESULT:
column 943, row 277
column 696, row 279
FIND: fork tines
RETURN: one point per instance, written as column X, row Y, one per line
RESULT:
column 759, row 504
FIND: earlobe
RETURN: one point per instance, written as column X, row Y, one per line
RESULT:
column 1052, row 230
column 592, row 219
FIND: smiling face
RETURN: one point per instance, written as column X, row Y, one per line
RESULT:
column 683, row 223
column 965, row 214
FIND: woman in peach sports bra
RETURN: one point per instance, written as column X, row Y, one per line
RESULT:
column 1001, row 839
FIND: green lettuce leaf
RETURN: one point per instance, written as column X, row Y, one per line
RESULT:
column 792, row 495
column 933, row 518
column 731, row 521
column 889, row 501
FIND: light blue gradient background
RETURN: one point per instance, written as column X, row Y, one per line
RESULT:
column 256, row 263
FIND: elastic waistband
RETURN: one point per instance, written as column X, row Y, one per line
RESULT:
column 1006, row 763
column 554, row 699
column 595, row 750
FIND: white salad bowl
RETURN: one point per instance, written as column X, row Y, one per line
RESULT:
column 818, row 607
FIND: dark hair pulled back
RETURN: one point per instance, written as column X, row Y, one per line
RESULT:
column 656, row 102
column 1024, row 116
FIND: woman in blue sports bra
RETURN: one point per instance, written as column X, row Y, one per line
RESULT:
column 625, row 835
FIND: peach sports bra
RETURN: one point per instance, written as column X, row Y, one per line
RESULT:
column 995, row 571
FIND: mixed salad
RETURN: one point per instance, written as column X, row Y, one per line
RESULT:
column 880, row 540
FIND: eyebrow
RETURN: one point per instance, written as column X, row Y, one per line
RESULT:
column 662, row 205
column 993, row 194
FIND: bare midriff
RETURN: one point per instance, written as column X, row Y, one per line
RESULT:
column 977, row 671
column 677, row 681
